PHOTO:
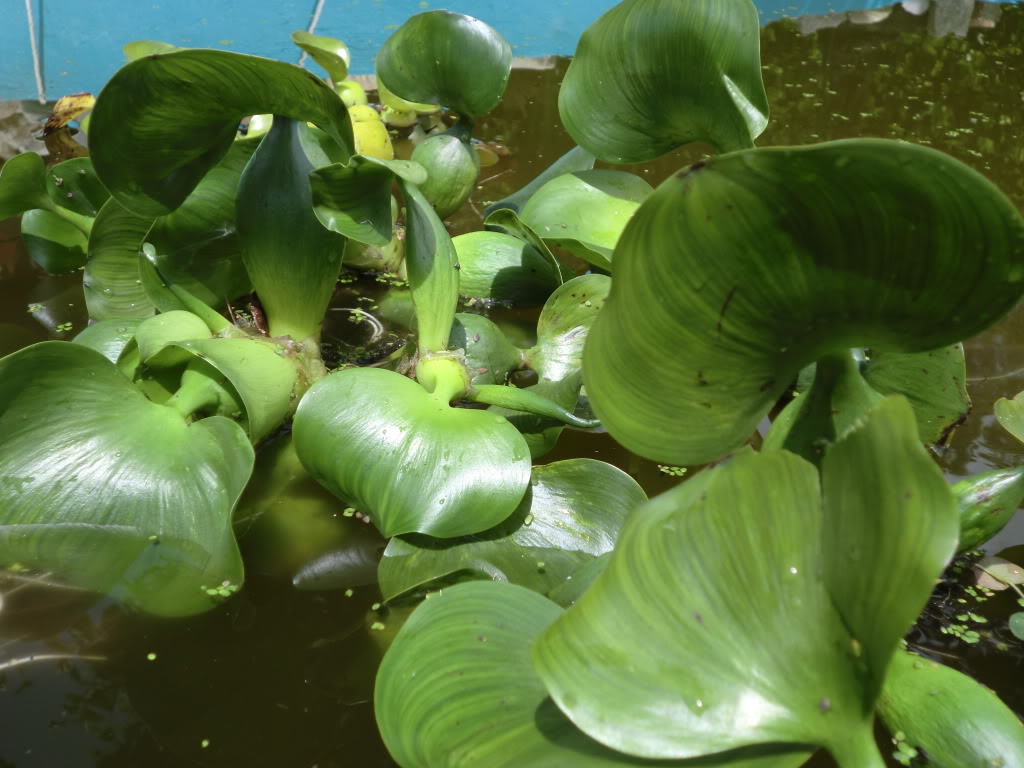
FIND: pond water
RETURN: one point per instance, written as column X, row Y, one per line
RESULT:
column 283, row 678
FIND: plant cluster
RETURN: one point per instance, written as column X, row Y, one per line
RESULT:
column 749, row 616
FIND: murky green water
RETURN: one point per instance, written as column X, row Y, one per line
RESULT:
column 283, row 678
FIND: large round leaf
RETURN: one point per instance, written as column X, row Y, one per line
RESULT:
column 572, row 512
column 749, row 547
column 816, row 249
column 585, row 212
column 55, row 244
column 292, row 259
column 652, row 75
column 112, row 285
column 446, row 58
column 411, row 462
column 956, row 720
column 192, row 101
column 110, row 492
column 456, row 688
column 493, row 265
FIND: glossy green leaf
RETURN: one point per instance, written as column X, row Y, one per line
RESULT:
column 749, row 545
column 493, row 265
column 456, row 688
column 576, row 159
column 541, row 433
column 934, row 382
column 139, row 48
column 107, row 491
column 508, row 221
column 333, row 55
column 1010, row 414
column 817, row 249
column 113, row 288
column 355, row 200
column 108, row 337
column 397, row 104
column 53, row 243
column 652, row 75
column 490, row 357
column 452, row 168
column 74, row 186
column 156, row 333
column 292, row 259
column 446, row 58
column 193, row 100
column 22, row 185
column 957, row 721
column 579, row 581
column 586, row 211
column 987, row 502
column 432, row 265
column 572, row 512
column 407, row 460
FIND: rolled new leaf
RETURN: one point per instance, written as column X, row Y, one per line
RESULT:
column 292, row 259
column 817, row 249
column 954, row 719
column 113, row 493
column 193, row 100
column 652, row 75
column 987, row 502
column 446, row 58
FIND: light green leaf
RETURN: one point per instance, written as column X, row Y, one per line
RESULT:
column 456, row 688
column 155, row 333
column 292, row 259
column 490, row 357
column 140, row 48
column 109, row 492
column 586, row 211
column 108, row 337
column 564, row 324
column 817, row 249
column 493, row 265
column 55, row 244
column 1010, row 415
column 113, row 288
column 408, row 460
column 508, row 221
column 446, row 58
column 1016, row 624
column 333, row 55
column 957, row 721
column 22, row 185
column 193, row 100
column 452, row 168
column 576, row 159
column 431, row 263
column 74, row 186
column 572, row 512
column 579, row 581
column 987, row 502
column 652, row 75
column 749, row 545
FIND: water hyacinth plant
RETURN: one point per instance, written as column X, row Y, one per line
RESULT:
column 826, row 288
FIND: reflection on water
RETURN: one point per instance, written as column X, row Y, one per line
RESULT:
column 282, row 678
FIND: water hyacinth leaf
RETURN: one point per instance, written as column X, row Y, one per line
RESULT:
column 652, row 75
column 193, row 100
column 494, row 265
column 576, row 159
column 452, row 168
column 747, row 544
column 490, row 357
column 112, row 285
column 1016, row 624
column 432, row 266
column 508, row 221
column 1010, row 414
column 197, row 246
column 564, row 324
column 997, row 574
column 393, row 102
column 987, row 502
column 22, row 185
column 410, row 462
column 541, row 434
column 155, row 333
column 111, row 492
column 435, row 695
column 263, row 374
column 292, row 259
column 934, row 382
column 572, row 512
column 108, row 337
column 74, row 186
column 140, row 48
column 954, row 719
column 790, row 282
column 333, row 55
column 370, row 133
column 55, row 244
column 446, row 58
column 586, row 211
column 579, row 581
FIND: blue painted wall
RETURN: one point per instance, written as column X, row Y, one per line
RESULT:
column 82, row 40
